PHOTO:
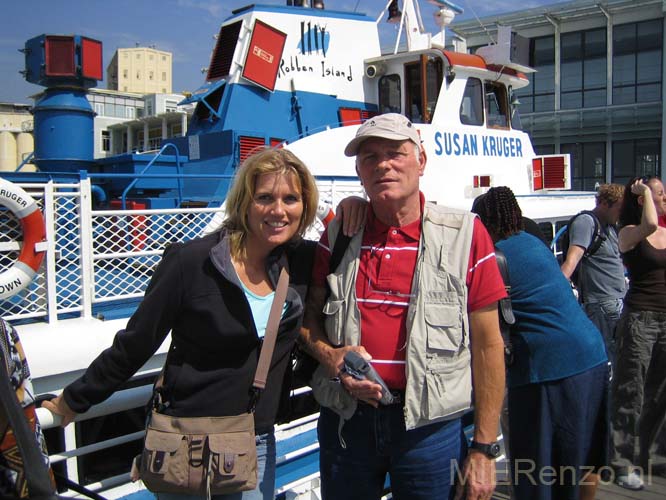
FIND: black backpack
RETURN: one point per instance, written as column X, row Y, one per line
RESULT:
column 598, row 237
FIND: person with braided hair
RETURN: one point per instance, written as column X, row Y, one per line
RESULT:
column 558, row 381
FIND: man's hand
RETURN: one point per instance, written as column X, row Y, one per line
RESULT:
column 478, row 480
column 363, row 390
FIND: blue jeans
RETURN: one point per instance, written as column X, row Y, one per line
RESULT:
column 421, row 463
column 605, row 315
column 265, row 489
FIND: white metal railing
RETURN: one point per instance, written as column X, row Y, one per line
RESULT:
column 95, row 257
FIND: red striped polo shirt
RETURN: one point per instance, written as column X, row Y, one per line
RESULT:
column 383, row 287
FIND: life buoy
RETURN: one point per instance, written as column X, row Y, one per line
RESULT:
column 325, row 213
column 23, row 206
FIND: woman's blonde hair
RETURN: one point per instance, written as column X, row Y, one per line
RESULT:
column 241, row 193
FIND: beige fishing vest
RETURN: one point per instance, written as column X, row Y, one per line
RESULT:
column 438, row 369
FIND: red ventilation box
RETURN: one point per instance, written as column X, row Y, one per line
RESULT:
column 91, row 59
column 59, row 54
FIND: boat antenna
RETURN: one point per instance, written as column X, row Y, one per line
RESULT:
column 492, row 40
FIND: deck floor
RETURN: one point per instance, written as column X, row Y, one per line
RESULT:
column 654, row 490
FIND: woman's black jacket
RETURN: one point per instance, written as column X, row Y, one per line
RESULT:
column 195, row 294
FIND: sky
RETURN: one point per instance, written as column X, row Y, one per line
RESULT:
column 183, row 27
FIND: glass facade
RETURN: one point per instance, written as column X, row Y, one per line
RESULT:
column 634, row 158
column 637, row 54
column 589, row 164
column 539, row 95
column 620, row 138
column 583, row 69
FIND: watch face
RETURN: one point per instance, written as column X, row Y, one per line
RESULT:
column 495, row 450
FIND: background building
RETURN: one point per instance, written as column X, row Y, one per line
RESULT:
column 597, row 92
column 158, row 117
column 16, row 142
column 141, row 70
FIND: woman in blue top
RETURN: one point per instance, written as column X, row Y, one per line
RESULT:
column 558, row 381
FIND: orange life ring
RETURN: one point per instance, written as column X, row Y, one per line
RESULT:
column 23, row 206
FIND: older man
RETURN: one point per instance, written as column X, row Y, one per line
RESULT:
column 416, row 293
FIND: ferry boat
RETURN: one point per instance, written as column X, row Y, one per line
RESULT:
column 82, row 236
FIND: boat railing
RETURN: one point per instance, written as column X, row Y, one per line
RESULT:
column 96, row 259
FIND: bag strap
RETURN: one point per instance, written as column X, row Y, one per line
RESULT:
column 36, row 472
column 339, row 247
column 261, row 375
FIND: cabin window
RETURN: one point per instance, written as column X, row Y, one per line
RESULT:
column 422, row 83
column 496, row 105
column 471, row 107
column 389, row 94
column 514, row 110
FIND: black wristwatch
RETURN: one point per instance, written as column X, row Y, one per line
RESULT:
column 491, row 450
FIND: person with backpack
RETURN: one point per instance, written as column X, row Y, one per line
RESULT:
column 593, row 263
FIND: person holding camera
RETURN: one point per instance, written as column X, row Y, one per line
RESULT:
column 638, row 389
column 415, row 293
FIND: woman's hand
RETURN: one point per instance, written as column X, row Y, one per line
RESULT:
column 639, row 188
column 59, row 407
column 352, row 212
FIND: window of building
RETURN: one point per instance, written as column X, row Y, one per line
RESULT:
column 125, row 73
column 636, row 158
column 176, row 130
column 138, row 75
column 106, row 140
column 163, row 76
column 544, row 149
column 138, row 56
column 124, row 88
column 539, row 95
column 150, row 75
column 637, row 49
column 99, row 108
column 163, row 58
column 389, row 94
column 589, row 164
column 583, row 69
column 150, row 57
column 130, row 112
column 471, row 107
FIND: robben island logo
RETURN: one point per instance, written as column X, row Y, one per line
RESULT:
column 311, row 52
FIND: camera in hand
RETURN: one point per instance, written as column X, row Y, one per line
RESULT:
column 359, row 368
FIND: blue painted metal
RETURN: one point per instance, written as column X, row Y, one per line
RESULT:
column 150, row 164
column 98, row 193
column 25, row 161
column 64, row 126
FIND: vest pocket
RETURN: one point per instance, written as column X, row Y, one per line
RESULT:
column 444, row 327
column 449, row 383
column 334, row 310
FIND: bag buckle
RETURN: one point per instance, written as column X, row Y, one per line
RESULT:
column 255, row 392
